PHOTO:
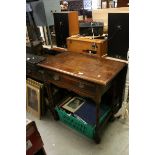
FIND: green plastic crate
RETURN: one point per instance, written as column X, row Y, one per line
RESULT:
column 85, row 129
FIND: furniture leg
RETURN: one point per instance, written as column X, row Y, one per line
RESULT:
column 118, row 89
column 50, row 99
column 96, row 134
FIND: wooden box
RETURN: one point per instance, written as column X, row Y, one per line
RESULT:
column 97, row 47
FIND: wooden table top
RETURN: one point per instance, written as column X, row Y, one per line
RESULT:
column 98, row 70
column 85, row 39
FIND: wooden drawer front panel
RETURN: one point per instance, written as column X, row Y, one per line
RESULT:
column 81, row 85
column 52, row 77
column 34, row 72
column 74, row 84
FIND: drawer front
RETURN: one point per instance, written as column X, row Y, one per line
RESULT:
column 34, row 72
column 81, row 85
column 71, row 83
column 52, row 76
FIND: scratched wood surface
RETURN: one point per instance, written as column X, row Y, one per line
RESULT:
column 98, row 70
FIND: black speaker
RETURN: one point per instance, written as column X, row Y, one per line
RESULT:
column 118, row 35
column 66, row 24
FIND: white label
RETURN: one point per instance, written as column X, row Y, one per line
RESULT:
column 28, row 144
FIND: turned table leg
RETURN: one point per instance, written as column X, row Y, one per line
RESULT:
column 50, row 99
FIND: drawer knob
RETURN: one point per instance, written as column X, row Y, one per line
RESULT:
column 41, row 71
column 81, row 85
column 56, row 77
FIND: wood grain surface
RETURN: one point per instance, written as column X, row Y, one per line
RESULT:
column 86, row 67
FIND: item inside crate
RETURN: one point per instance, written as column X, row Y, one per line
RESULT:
column 73, row 104
column 82, row 109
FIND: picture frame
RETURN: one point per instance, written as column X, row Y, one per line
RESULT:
column 73, row 104
column 34, row 97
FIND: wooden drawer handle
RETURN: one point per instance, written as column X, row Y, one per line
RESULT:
column 41, row 71
column 81, row 85
column 56, row 77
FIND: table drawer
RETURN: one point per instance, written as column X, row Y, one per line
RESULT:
column 81, row 85
column 34, row 72
column 72, row 83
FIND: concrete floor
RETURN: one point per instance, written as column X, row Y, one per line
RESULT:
column 61, row 140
